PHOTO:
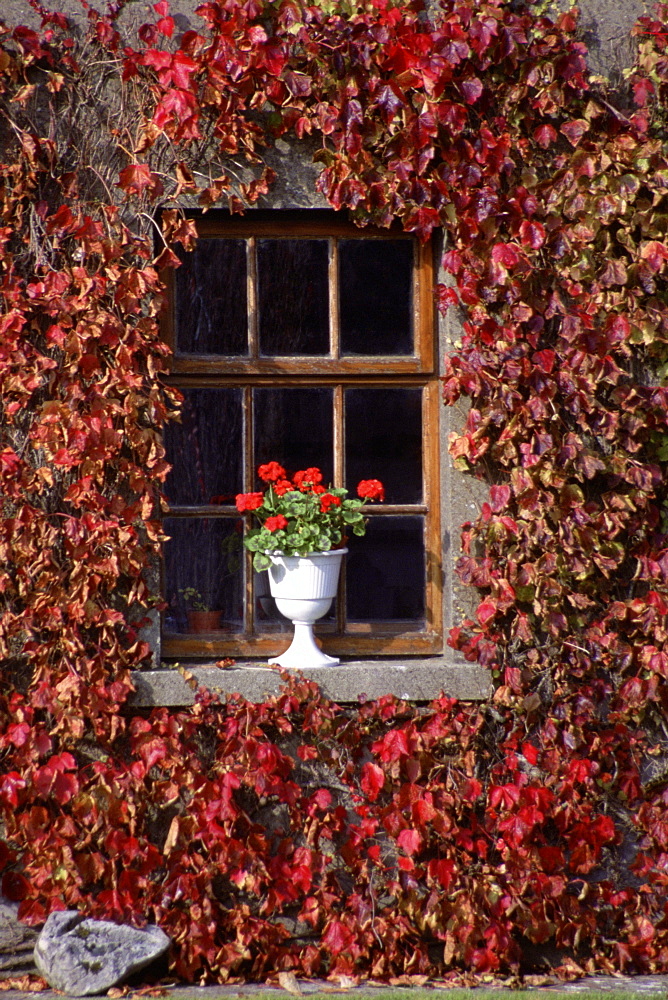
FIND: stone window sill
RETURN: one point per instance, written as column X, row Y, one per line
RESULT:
column 418, row 680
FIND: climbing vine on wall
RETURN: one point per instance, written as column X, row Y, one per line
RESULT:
column 384, row 840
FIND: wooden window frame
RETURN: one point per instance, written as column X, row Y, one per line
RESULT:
column 361, row 640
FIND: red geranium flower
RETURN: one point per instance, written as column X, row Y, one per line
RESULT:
column 371, row 489
column 248, row 501
column 271, row 472
column 281, row 487
column 276, row 523
column 327, row 501
column 306, row 479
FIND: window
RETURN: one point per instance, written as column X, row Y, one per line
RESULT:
column 302, row 339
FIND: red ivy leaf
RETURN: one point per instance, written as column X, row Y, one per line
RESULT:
column 15, row 886
column 471, row 89
column 544, row 360
column 504, row 796
column 654, row 253
column 532, row 234
column 642, row 90
column 499, row 497
column 392, row 746
column 545, row 135
column 5, row 855
column 373, row 779
column 574, row 130
column 337, row 937
column 471, row 790
column 9, row 787
column 452, row 261
column 506, row 254
column 9, row 461
column 166, row 26
column 445, row 297
column 136, row 178
column 613, row 274
column 442, row 870
column 486, row 612
column 322, row 798
column 410, row 841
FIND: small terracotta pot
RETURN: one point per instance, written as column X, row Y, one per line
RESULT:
column 203, row 621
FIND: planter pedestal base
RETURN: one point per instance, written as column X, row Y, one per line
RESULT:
column 303, row 650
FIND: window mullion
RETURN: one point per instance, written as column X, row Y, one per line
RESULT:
column 339, row 480
column 339, row 436
column 431, row 401
column 253, row 318
column 249, row 479
column 334, row 331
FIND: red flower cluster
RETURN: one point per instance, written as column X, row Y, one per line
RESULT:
column 271, row 472
column 327, row 501
column 371, row 489
column 276, row 523
column 308, row 480
column 248, row 501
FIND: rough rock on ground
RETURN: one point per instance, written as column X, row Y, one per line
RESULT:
column 83, row 957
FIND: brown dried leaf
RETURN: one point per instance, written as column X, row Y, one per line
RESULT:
column 27, row 984
column 189, row 678
column 409, row 980
column 288, row 981
column 345, row 982
column 172, row 836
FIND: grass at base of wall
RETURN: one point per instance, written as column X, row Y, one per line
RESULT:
column 617, row 991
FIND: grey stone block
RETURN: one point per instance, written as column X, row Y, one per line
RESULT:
column 419, row 681
column 82, row 957
column 17, row 942
column 14, row 936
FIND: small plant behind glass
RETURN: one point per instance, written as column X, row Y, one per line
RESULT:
column 193, row 600
column 300, row 516
column 208, row 561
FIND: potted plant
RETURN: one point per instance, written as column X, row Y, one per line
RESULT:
column 203, row 560
column 300, row 539
column 200, row 616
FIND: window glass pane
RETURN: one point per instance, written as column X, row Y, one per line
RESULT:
column 293, row 296
column 294, row 427
column 211, row 299
column 205, row 448
column 267, row 616
column 385, row 572
column 384, row 440
column 204, row 572
column 376, row 296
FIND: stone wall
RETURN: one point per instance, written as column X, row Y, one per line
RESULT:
column 606, row 26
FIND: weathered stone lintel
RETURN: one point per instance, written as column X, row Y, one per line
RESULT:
column 418, row 681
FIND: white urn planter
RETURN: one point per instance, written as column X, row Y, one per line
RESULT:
column 303, row 588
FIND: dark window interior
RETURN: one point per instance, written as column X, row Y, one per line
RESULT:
column 305, row 346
